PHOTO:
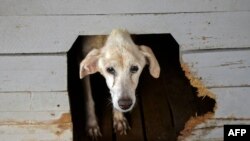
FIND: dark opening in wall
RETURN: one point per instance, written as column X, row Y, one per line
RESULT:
column 163, row 107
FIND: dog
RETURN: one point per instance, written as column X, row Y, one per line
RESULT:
column 121, row 62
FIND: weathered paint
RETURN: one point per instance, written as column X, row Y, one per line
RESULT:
column 228, row 68
column 33, row 73
column 202, row 91
column 212, row 129
column 52, row 132
column 232, row 103
column 56, row 129
column 193, row 31
column 79, row 7
column 29, row 46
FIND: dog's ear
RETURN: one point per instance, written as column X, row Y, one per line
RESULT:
column 154, row 67
column 89, row 63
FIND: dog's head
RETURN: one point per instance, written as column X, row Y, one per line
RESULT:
column 121, row 62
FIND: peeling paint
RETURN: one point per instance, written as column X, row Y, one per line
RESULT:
column 202, row 91
column 192, row 123
column 60, row 127
column 64, row 118
column 195, row 82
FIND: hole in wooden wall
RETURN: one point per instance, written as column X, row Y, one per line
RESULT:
column 164, row 105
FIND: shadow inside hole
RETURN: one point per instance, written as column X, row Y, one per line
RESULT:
column 167, row 102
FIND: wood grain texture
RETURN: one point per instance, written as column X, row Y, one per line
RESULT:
column 220, row 68
column 232, row 102
column 63, row 7
column 53, row 132
column 193, row 31
column 212, row 130
column 33, row 73
column 34, row 101
column 232, row 108
column 31, row 117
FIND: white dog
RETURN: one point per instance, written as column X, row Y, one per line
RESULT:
column 121, row 62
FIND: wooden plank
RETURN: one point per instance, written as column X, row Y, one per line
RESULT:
column 213, row 134
column 221, row 122
column 156, row 108
column 50, row 101
column 220, row 68
column 158, row 120
column 232, row 102
column 15, row 101
column 212, row 129
column 58, row 7
column 232, row 108
column 25, row 117
column 53, row 132
column 49, row 34
column 33, row 73
column 34, row 101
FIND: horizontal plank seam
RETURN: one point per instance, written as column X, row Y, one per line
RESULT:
column 215, row 50
column 128, row 14
column 35, row 124
column 34, row 54
column 236, row 86
column 62, row 91
column 231, row 119
column 37, row 111
column 208, row 127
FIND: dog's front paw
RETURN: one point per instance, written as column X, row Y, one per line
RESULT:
column 121, row 125
column 94, row 132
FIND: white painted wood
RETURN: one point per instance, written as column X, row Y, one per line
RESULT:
column 212, row 129
column 220, row 68
column 14, row 102
column 62, row 7
column 50, row 101
column 232, row 108
column 34, row 101
column 36, row 132
column 210, row 123
column 31, row 117
column 48, row 34
column 232, row 102
column 33, row 73
column 207, row 134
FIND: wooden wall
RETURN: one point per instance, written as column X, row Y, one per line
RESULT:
column 35, row 36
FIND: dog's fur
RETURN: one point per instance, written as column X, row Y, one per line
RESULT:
column 121, row 62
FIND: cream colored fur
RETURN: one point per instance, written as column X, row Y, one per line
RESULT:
column 121, row 62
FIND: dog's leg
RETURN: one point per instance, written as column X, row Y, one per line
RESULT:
column 91, row 125
column 120, row 122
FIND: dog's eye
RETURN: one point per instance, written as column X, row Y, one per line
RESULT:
column 133, row 69
column 110, row 70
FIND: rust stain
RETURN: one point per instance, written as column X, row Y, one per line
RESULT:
column 62, row 128
column 202, row 91
column 57, row 126
column 65, row 118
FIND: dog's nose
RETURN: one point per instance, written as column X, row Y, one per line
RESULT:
column 125, row 103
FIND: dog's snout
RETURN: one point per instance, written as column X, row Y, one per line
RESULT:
column 125, row 103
